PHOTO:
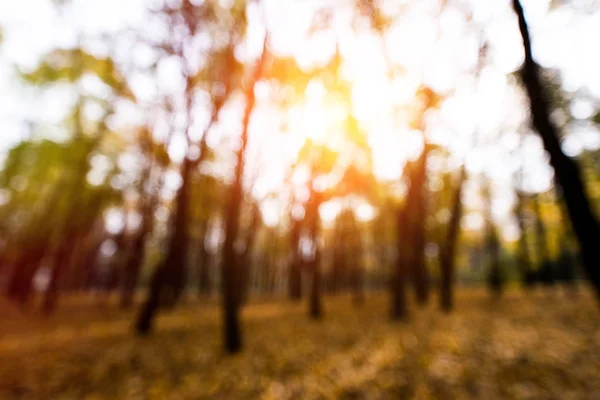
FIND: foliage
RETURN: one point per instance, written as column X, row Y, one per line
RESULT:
column 70, row 65
column 484, row 349
column 38, row 178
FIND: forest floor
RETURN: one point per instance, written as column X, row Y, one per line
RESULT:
column 539, row 345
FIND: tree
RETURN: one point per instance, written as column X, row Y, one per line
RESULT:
column 153, row 155
column 448, row 250
column 492, row 244
column 567, row 172
column 315, row 200
column 295, row 263
column 218, row 77
column 399, row 308
column 232, row 339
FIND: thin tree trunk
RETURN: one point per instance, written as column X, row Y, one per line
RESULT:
column 61, row 263
column 25, row 267
column 495, row 278
column 295, row 271
column 567, row 172
column 246, row 263
column 316, row 309
column 133, row 267
column 338, row 255
column 171, row 273
column 232, row 338
column 203, row 265
column 137, row 250
column 545, row 267
column 357, row 265
column 448, row 251
column 419, row 189
column 523, row 251
column 399, row 309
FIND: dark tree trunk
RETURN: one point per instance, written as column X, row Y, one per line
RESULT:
column 230, row 268
column 232, row 338
column 523, row 251
column 496, row 279
column 540, row 233
column 337, row 267
column 91, row 265
column 133, row 267
column 25, row 267
column 203, row 265
column 295, row 278
column 448, row 251
column 567, row 172
column 399, row 309
column 60, row 264
column 492, row 246
column 357, row 265
column 171, row 273
column 150, row 307
column 316, row 309
column 137, row 250
column 337, row 262
column 246, row 264
column 419, row 189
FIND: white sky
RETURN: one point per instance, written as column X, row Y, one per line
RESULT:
column 562, row 39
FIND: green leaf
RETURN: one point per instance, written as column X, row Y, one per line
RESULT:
column 71, row 64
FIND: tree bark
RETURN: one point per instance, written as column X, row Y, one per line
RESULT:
column 357, row 264
column 203, row 265
column 523, row 250
column 540, row 231
column 133, row 267
column 337, row 262
column 567, row 172
column 25, row 267
column 232, row 339
column 492, row 245
column 137, row 250
column 399, row 309
column 295, row 271
column 171, row 273
column 316, row 309
column 420, row 273
column 246, row 263
column 61, row 262
column 448, row 251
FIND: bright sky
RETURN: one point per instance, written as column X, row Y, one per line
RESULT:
column 444, row 60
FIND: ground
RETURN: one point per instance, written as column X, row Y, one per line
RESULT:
column 538, row 345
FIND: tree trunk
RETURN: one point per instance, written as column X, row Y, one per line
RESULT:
column 448, row 251
column 246, row 256
column 399, row 309
column 146, row 317
column 171, row 273
column 133, row 267
column 338, row 255
column 230, row 271
column 419, row 192
column 545, row 267
column 567, row 172
column 316, row 309
column 25, row 267
column 61, row 262
column 523, row 251
column 137, row 250
column 295, row 278
column 495, row 277
column 357, row 264
column 232, row 339
column 203, row 265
